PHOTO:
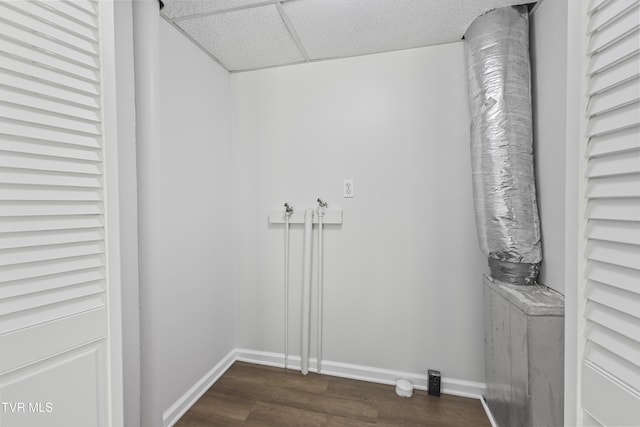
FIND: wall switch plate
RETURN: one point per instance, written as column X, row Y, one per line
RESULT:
column 347, row 187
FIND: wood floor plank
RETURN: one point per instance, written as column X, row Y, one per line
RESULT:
column 255, row 375
column 220, row 404
column 417, row 410
column 275, row 385
column 254, row 395
column 303, row 400
column 267, row 414
column 193, row 420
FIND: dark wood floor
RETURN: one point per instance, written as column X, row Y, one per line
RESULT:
column 254, row 395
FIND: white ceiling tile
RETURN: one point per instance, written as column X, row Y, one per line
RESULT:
column 250, row 34
column 179, row 8
column 340, row 28
column 245, row 39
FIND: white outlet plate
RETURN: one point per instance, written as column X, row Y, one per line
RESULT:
column 347, row 188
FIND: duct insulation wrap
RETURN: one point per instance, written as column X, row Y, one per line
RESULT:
column 497, row 53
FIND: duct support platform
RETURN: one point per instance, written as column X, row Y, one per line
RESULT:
column 524, row 354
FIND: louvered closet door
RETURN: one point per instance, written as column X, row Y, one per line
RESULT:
column 53, row 301
column 611, row 362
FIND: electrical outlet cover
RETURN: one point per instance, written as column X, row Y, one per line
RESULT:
column 347, row 187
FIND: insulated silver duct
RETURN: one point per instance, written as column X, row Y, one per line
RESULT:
column 497, row 52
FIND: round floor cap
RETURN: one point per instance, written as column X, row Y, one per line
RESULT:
column 404, row 388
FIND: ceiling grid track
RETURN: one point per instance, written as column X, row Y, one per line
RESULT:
column 249, row 35
column 292, row 31
column 195, row 42
column 230, row 10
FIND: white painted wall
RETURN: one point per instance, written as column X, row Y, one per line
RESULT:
column 188, row 202
column 549, row 90
column 403, row 273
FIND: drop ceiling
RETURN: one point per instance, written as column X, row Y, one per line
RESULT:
column 252, row 34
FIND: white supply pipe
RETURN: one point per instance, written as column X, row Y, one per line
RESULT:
column 321, row 207
column 287, row 215
column 306, row 293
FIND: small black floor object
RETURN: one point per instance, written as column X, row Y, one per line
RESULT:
column 434, row 382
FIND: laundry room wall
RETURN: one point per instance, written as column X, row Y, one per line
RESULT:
column 185, row 217
column 402, row 273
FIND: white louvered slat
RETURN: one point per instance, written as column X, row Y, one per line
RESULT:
column 614, row 231
column 43, row 268
column 619, row 119
column 42, row 178
column 50, row 17
column 11, row 110
column 50, row 89
column 623, row 303
column 619, row 73
column 611, row 359
column 614, row 253
column 627, row 185
column 615, row 142
column 89, row 7
column 595, row 5
column 614, row 97
column 48, row 104
column 614, row 164
column 12, row 47
column 11, row 159
column 54, row 281
column 49, row 44
column 65, row 10
column 26, row 130
column 46, row 209
column 62, row 78
column 614, row 275
column 44, row 314
column 46, row 148
column 627, row 22
column 48, row 223
column 48, row 193
column 15, row 14
column 610, row 13
column 51, row 297
column 614, row 209
column 612, row 318
column 30, row 239
column 10, row 257
column 617, row 52
column 626, row 348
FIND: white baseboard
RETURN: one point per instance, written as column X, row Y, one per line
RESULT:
column 345, row 370
column 265, row 358
column 364, row 373
column 186, row 401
